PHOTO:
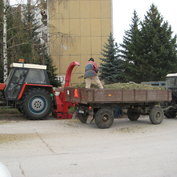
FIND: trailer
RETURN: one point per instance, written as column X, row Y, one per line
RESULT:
column 107, row 104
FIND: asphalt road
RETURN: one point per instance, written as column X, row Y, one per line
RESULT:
column 68, row 148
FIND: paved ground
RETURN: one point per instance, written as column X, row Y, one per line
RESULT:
column 67, row 148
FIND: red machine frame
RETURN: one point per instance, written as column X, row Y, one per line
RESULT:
column 62, row 106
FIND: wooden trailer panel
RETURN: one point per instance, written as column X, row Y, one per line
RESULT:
column 82, row 95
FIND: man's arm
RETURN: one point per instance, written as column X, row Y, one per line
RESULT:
column 95, row 67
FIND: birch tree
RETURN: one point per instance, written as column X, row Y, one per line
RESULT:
column 5, row 71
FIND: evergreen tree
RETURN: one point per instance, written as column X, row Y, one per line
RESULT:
column 131, row 50
column 149, row 51
column 51, row 70
column 111, row 68
column 32, row 27
column 159, row 47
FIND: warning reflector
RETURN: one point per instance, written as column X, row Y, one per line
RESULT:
column 76, row 93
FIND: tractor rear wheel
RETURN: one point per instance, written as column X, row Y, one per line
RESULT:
column 37, row 104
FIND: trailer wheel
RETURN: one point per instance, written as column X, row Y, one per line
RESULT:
column 156, row 115
column 20, row 109
column 170, row 114
column 133, row 115
column 82, row 117
column 104, row 118
column 37, row 104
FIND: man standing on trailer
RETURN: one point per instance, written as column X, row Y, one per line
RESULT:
column 91, row 70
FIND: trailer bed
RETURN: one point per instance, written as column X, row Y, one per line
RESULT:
column 86, row 96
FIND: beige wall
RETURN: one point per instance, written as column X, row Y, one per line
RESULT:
column 78, row 30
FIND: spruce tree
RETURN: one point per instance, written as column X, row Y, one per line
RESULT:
column 32, row 26
column 159, row 47
column 131, row 50
column 111, row 67
column 51, row 71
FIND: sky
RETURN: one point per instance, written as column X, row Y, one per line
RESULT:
column 123, row 13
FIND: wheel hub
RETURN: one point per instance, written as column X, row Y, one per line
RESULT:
column 105, row 118
column 158, row 115
column 37, row 104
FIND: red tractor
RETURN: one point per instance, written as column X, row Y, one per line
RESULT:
column 28, row 89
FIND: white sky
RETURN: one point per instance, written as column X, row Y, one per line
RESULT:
column 123, row 13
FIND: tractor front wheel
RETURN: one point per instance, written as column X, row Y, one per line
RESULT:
column 37, row 104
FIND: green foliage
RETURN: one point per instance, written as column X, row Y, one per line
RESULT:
column 51, row 70
column 32, row 28
column 111, row 68
column 159, row 49
column 148, row 48
column 131, row 50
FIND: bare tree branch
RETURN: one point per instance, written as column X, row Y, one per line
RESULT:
column 18, row 45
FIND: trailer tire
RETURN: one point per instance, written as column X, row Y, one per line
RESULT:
column 170, row 114
column 20, row 109
column 83, row 118
column 37, row 104
column 156, row 115
column 133, row 115
column 104, row 118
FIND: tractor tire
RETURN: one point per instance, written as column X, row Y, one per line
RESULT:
column 156, row 115
column 83, row 118
column 37, row 104
column 133, row 115
column 104, row 118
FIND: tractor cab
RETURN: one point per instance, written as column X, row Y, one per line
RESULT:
column 171, row 84
column 171, row 81
column 21, row 74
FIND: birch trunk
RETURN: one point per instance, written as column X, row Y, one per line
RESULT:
column 5, row 71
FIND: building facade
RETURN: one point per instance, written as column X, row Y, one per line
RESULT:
column 78, row 30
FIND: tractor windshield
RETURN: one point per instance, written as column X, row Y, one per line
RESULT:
column 36, row 76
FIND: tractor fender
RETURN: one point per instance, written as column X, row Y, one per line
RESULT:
column 27, row 86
